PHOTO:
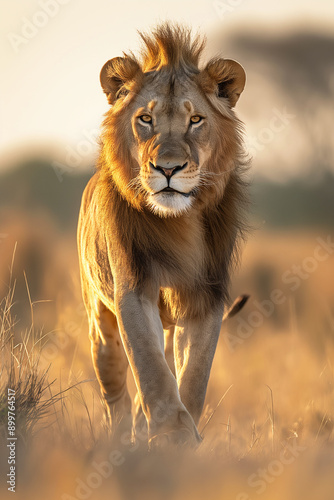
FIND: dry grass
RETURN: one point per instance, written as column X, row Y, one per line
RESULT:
column 269, row 417
column 20, row 371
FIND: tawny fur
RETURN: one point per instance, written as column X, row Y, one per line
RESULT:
column 177, row 259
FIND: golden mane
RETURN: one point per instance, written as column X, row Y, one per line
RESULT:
column 171, row 46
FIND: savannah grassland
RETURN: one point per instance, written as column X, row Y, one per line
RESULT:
column 271, row 436
column 268, row 421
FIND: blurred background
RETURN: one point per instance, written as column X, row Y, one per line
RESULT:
column 52, row 106
column 51, row 109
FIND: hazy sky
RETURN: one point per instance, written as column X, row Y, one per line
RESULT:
column 52, row 52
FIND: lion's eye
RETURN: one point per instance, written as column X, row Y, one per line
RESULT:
column 196, row 119
column 146, row 118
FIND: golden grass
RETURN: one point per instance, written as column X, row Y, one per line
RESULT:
column 270, row 437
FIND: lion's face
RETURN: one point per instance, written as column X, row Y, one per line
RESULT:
column 171, row 132
column 170, row 124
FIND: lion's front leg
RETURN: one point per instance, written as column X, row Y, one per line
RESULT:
column 195, row 343
column 142, row 335
column 140, row 423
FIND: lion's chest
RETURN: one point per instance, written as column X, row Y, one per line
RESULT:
column 182, row 261
column 191, row 273
column 181, row 283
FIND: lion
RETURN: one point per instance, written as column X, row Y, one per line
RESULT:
column 159, row 230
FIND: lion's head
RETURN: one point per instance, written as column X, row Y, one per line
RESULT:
column 171, row 139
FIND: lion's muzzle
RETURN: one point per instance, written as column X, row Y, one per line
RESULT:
column 169, row 170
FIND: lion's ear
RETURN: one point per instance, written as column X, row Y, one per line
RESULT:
column 115, row 73
column 229, row 78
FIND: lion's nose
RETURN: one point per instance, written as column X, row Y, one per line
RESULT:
column 169, row 171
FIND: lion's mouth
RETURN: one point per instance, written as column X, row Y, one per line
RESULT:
column 170, row 190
